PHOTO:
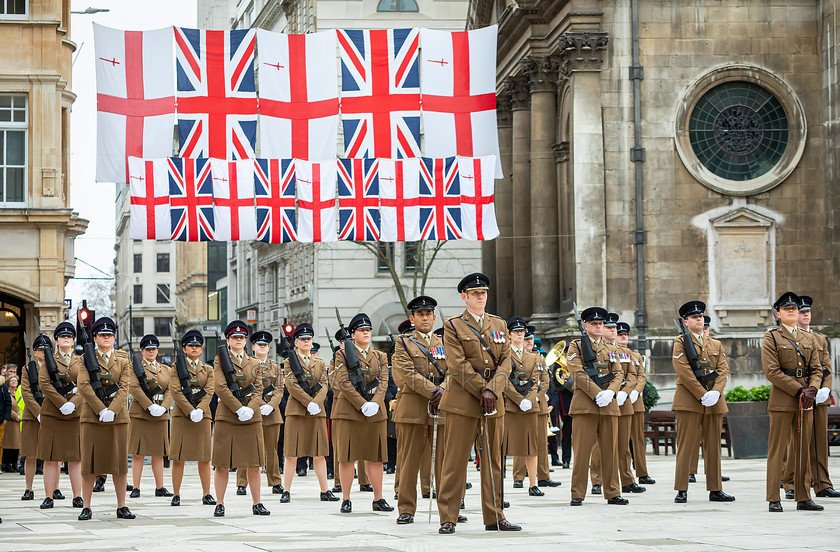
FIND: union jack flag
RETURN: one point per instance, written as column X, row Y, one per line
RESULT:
column 275, row 190
column 380, row 93
column 358, row 199
column 217, row 99
column 440, row 199
column 191, row 199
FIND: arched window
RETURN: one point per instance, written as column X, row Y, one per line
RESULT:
column 397, row 6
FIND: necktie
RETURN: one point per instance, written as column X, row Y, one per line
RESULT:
column 428, row 339
column 238, row 358
column 66, row 357
column 364, row 353
column 480, row 322
column 306, row 360
column 700, row 338
column 519, row 353
column 104, row 358
column 794, row 332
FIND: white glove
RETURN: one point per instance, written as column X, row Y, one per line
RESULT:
column 525, row 405
column 710, row 398
column 634, row 396
column 107, row 415
column 605, row 397
column 197, row 415
column 370, row 409
column 156, row 410
column 244, row 413
column 822, row 395
column 266, row 409
column 39, row 418
column 621, row 397
column 68, row 408
column 313, row 408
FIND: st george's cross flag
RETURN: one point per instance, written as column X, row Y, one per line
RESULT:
column 316, row 200
column 440, row 199
column 135, row 98
column 191, row 200
column 298, row 95
column 274, row 188
column 358, row 199
column 148, row 199
column 380, row 92
column 458, row 89
column 399, row 204
column 233, row 199
column 478, row 210
column 217, row 98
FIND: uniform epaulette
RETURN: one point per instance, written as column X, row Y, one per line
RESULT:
column 494, row 316
column 122, row 354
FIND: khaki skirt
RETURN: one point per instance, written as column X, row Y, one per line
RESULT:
column 104, row 448
column 190, row 440
column 11, row 435
column 238, row 446
column 29, row 439
column 360, row 440
column 305, row 436
column 148, row 437
column 522, row 434
column 58, row 440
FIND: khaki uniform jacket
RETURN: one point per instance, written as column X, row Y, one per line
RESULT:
column 467, row 363
column 528, row 368
column 583, row 400
column 545, row 383
column 349, row 403
column 118, row 370
column 825, row 361
column 200, row 378
column 140, row 403
column 228, row 404
column 412, row 371
column 31, row 408
column 53, row 401
column 777, row 353
column 300, row 399
column 639, row 363
column 629, row 383
column 689, row 391
column 272, row 374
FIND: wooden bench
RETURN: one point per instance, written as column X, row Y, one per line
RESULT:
column 833, row 426
column 663, row 430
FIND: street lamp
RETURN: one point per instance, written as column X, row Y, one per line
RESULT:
column 90, row 11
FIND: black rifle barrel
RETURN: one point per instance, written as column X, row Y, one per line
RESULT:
column 588, row 356
column 351, row 359
column 223, row 352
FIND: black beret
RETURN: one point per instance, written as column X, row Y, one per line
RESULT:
column 516, row 323
column 261, row 337
column 422, row 302
column 805, row 302
column 149, row 341
column 476, row 280
column 41, row 342
column 64, row 329
column 237, row 327
column 360, row 321
column 594, row 314
column 405, row 327
column 104, row 325
column 692, row 308
column 192, row 337
column 786, row 299
column 622, row 327
column 304, row 330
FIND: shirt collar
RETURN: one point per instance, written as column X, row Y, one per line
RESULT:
column 366, row 350
column 789, row 328
column 476, row 317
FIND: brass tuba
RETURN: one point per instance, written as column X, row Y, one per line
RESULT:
column 557, row 355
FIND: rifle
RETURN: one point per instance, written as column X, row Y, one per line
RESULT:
column 333, row 346
column 354, row 370
column 521, row 386
column 697, row 365
column 302, row 377
column 590, row 361
column 230, row 374
column 184, row 378
column 32, row 369
column 140, row 373
column 104, row 394
column 56, row 377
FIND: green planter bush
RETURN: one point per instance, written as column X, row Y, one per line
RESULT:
column 749, row 424
column 650, row 396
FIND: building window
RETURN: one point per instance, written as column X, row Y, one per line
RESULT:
column 13, row 125
column 248, row 279
column 138, row 263
column 412, row 256
column 162, row 326
column 138, row 294
column 163, row 262
column 13, row 9
column 385, row 257
column 216, row 263
column 162, row 293
column 137, row 327
column 213, row 307
column 397, row 6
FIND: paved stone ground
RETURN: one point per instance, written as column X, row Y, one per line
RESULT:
column 651, row 522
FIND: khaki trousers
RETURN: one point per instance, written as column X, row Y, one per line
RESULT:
column 592, row 429
column 519, row 470
column 459, row 435
column 425, row 475
column 784, row 429
column 413, row 440
column 271, row 436
column 625, row 469
column 637, row 436
column 819, row 453
column 691, row 428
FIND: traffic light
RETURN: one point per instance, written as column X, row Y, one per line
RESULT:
column 85, row 317
column 288, row 329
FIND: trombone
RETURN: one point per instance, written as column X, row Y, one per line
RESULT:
column 557, row 355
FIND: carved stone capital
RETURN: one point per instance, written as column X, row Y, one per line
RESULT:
column 561, row 152
column 541, row 73
column 520, row 95
column 581, row 51
column 503, row 113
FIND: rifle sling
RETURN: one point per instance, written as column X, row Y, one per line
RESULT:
column 484, row 344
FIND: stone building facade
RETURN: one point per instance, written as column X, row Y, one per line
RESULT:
column 37, row 225
column 656, row 152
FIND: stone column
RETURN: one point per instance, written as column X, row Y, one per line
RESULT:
column 542, row 74
column 566, row 227
column 503, row 257
column 582, row 53
column 521, row 199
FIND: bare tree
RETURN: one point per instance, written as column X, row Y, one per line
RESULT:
column 98, row 295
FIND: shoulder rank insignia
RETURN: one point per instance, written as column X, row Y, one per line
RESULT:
column 571, row 356
column 678, row 356
column 498, row 337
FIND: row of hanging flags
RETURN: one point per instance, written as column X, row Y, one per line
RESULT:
column 389, row 80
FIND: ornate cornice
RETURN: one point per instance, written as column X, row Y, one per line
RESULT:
column 541, row 72
column 520, row 95
column 581, row 51
column 503, row 105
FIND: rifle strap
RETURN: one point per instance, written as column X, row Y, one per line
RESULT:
column 425, row 351
column 484, row 344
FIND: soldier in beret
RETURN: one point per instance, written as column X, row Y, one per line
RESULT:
column 306, row 419
column 148, row 433
column 359, row 421
column 238, row 437
column 478, row 365
column 191, row 426
column 59, row 437
column 104, row 424
column 31, row 420
column 791, row 361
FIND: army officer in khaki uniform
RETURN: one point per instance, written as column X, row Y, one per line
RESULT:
column 699, row 409
column 637, row 429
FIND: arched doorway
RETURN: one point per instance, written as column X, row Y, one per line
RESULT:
column 11, row 330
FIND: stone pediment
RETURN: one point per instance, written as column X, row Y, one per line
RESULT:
column 743, row 216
